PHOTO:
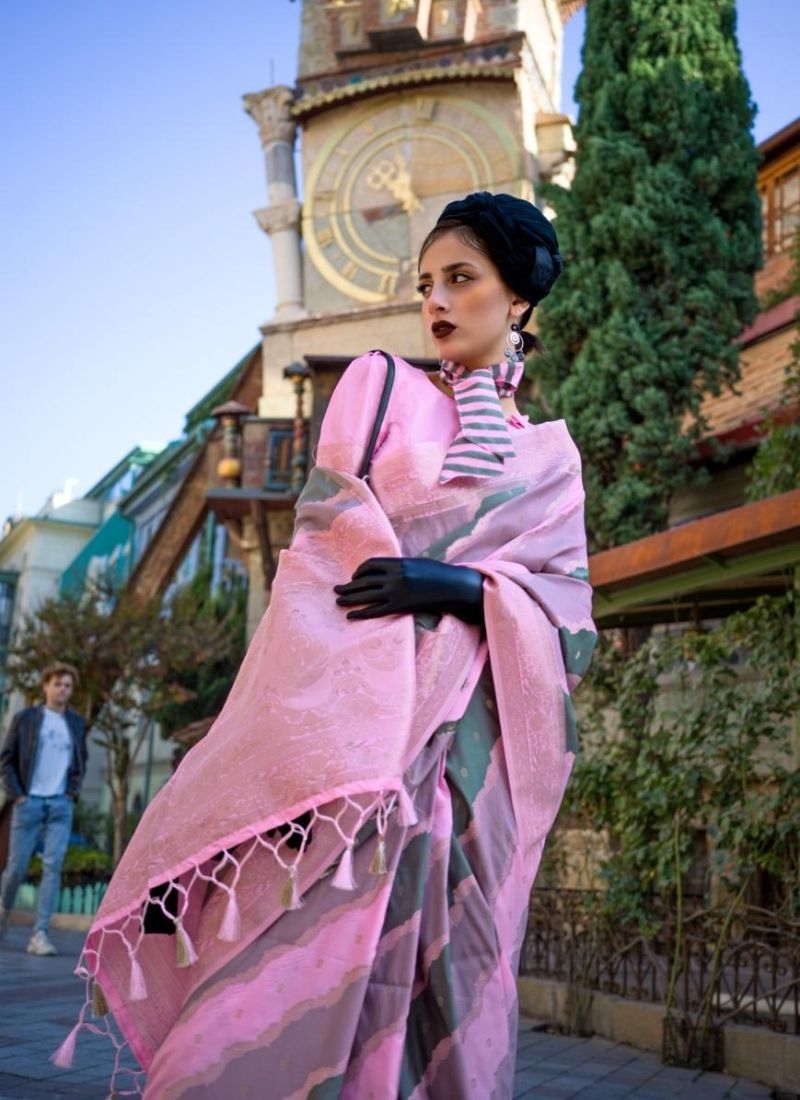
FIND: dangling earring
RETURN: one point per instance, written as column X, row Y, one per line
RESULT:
column 514, row 344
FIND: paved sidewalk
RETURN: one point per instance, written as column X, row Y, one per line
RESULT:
column 40, row 999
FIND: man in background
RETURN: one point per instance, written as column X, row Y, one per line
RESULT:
column 42, row 765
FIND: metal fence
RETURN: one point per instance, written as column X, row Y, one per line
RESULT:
column 748, row 974
column 83, row 899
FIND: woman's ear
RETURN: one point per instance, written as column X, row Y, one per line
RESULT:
column 518, row 307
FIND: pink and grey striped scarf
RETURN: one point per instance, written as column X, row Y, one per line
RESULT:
column 484, row 442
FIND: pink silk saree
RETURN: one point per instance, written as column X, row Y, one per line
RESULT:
column 355, row 840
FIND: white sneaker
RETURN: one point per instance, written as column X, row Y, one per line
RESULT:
column 3, row 921
column 41, row 945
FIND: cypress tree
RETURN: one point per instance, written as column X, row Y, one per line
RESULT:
column 661, row 237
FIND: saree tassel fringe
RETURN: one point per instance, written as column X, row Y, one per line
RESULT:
column 65, row 1054
column 343, row 879
column 231, row 928
column 99, row 1002
column 290, row 898
column 406, row 814
column 186, row 951
column 137, row 990
column 378, row 865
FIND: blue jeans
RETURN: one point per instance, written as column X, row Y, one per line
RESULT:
column 52, row 818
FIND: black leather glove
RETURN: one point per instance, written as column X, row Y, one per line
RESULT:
column 391, row 586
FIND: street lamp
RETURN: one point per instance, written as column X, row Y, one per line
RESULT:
column 229, row 417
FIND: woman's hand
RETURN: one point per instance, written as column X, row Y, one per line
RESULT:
column 392, row 586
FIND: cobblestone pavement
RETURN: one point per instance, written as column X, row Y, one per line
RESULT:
column 40, row 999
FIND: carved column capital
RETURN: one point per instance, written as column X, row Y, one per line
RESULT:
column 270, row 111
column 281, row 219
column 284, row 215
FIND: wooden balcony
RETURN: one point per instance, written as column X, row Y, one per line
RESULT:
column 269, row 469
column 266, row 454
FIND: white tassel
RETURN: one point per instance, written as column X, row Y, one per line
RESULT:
column 187, row 955
column 343, row 879
column 65, row 1054
column 231, row 928
column 137, row 990
column 406, row 814
column 291, row 898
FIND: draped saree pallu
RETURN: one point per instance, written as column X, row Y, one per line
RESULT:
column 352, row 845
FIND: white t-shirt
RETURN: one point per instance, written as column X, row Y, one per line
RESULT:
column 53, row 756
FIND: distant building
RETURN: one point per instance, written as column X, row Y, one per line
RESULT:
column 779, row 188
column 108, row 554
column 36, row 552
column 721, row 551
column 33, row 554
column 736, row 417
column 154, row 496
column 128, row 539
column 109, row 534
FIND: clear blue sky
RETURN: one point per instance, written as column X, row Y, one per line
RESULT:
column 133, row 274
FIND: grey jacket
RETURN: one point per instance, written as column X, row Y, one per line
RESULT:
column 18, row 751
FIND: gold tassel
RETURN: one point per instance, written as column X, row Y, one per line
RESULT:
column 99, row 1002
column 378, row 865
column 186, row 952
column 290, row 899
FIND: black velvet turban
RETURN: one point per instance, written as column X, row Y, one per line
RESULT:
column 519, row 240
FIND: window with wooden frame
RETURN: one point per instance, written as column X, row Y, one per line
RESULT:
column 779, row 188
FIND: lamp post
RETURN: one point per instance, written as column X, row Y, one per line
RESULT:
column 298, row 373
column 229, row 417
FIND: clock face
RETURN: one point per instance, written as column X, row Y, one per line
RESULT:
column 381, row 178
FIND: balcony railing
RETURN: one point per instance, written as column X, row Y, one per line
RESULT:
column 267, row 449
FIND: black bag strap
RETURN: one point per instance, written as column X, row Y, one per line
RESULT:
column 363, row 472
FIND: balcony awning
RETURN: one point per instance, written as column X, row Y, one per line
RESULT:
column 706, row 568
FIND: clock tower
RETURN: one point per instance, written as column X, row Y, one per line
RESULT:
column 399, row 107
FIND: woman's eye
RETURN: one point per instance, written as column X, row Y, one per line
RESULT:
column 460, row 277
column 424, row 289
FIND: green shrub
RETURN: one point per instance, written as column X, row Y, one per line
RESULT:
column 87, row 862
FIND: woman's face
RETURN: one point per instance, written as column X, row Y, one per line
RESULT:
column 466, row 306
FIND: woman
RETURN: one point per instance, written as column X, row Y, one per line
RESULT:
column 346, row 858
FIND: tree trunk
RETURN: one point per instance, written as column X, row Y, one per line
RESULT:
column 119, row 806
column 119, row 771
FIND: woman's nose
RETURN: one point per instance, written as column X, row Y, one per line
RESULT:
column 437, row 299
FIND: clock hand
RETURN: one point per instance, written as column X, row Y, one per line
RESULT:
column 396, row 178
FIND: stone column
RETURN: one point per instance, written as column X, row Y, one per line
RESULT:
column 281, row 222
column 281, row 218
